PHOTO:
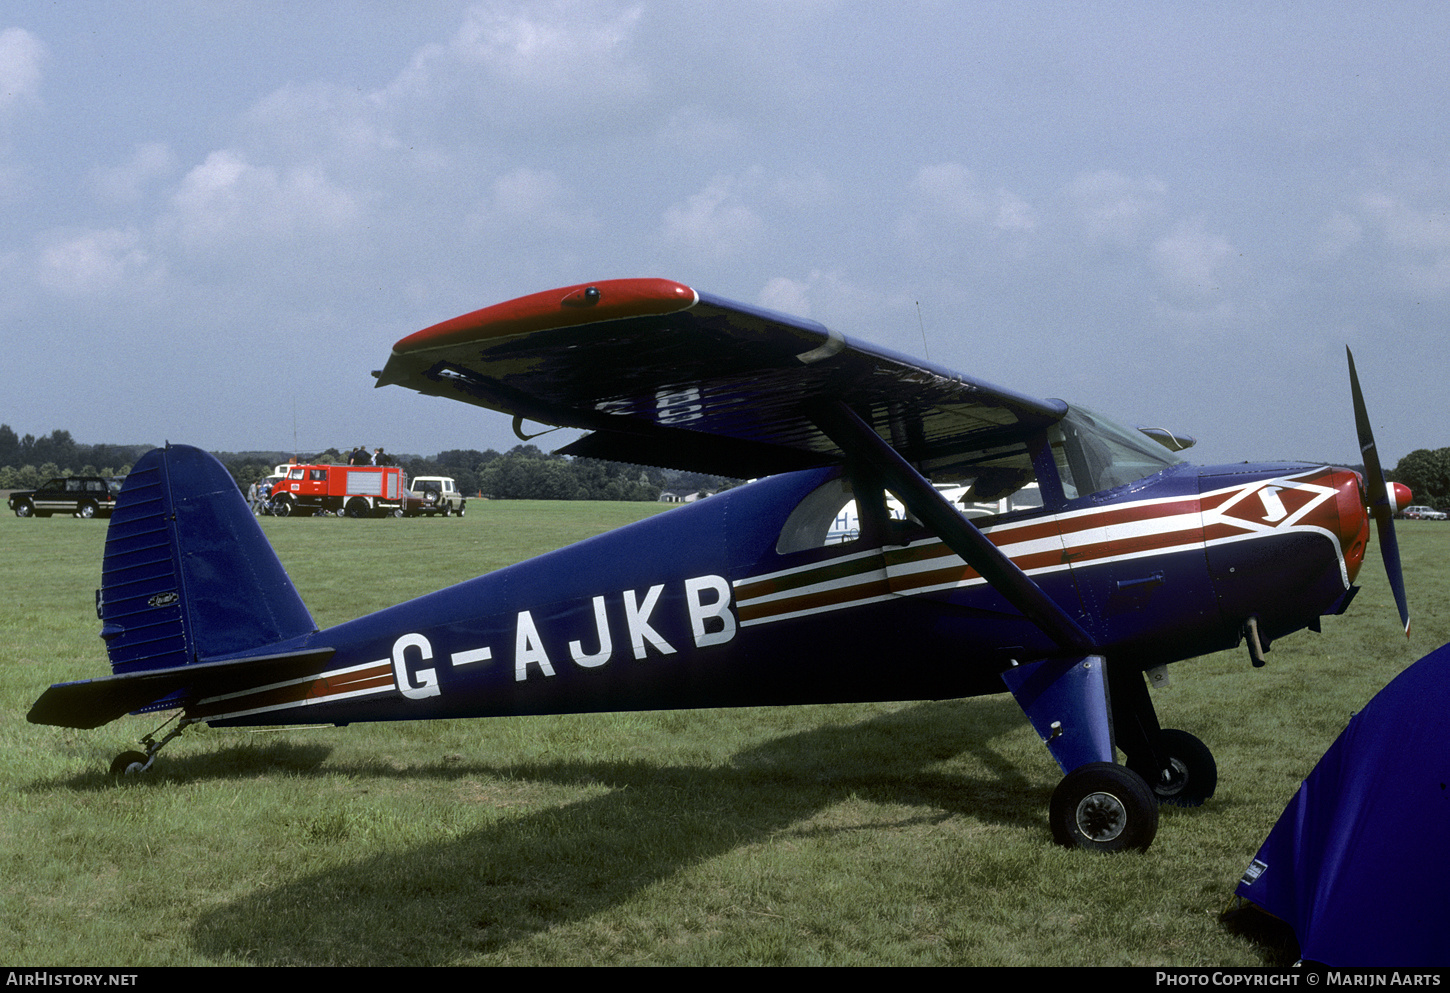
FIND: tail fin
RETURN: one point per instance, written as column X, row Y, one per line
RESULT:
column 188, row 575
column 188, row 579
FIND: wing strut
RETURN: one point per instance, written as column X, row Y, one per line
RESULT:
column 854, row 436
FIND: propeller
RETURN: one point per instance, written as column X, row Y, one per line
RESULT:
column 1383, row 500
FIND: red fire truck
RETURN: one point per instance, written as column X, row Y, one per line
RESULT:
column 346, row 490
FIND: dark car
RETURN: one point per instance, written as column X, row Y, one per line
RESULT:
column 83, row 496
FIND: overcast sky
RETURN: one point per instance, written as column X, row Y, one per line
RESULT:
column 217, row 217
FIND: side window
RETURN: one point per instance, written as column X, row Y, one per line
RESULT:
column 827, row 516
column 985, row 485
column 317, row 475
column 994, row 492
column 993, row 483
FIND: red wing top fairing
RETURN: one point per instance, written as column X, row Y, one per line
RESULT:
column 913, row 534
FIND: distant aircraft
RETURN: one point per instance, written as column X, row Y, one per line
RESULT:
column 1092, row 554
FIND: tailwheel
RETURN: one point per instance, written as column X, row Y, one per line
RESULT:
column 130, row 764
column 1190, row 775
column 1103, row 807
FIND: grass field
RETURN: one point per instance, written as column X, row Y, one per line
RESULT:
column 857, row 834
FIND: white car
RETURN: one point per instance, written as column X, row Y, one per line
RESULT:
column 436, row 495
column 1424, row 514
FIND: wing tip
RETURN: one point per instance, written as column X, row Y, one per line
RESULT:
column 566, row 306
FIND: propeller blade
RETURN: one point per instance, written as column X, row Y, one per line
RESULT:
column 1380, row 502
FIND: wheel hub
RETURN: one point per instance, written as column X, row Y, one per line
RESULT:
column 1172, row 780
column 1101, row 817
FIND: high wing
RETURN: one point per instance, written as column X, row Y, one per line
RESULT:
column 663, row 375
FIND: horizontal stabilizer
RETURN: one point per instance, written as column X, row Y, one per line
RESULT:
column 90, row 703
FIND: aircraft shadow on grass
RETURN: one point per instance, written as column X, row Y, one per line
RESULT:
column 505, row 882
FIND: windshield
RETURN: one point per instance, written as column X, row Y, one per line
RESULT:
column 1095, row 454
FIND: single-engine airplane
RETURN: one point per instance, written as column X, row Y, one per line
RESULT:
column 1080, row 555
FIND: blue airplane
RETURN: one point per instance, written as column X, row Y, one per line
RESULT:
column 998, row 542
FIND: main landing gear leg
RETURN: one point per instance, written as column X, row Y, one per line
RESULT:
column 1177, row 766
column 1099, row 805
column 135, row 763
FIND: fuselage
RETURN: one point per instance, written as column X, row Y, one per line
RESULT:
column 748, row 598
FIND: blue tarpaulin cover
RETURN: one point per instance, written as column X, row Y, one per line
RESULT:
column 1359, row 862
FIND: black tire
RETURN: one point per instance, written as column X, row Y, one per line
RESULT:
column 357, row 508
column 129, row 764
column 87, row 509
column 282, row 507
column 25, row 509
column 1191, row 775
column 461, row 508
column 1103, row 807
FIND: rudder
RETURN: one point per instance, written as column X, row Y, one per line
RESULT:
column 188, row 576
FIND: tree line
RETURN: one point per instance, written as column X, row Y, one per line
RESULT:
column 522, row 473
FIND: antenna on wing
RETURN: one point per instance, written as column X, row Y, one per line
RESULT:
column 922, row 323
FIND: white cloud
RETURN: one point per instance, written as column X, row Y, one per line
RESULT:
column 713, row 222
column 94, row 262
column 226, row 199
column 320, row 118
column 21, row 56
column 516, row 62
column 952, row 193
column 1407, row 227
column 839, row 303
column 789, row 296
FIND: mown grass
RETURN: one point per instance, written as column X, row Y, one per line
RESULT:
column 857, row 834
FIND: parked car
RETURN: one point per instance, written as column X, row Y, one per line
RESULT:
column 436, row 495
column 83, row 496
column 1419, row 513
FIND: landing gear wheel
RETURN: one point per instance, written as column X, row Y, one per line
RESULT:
column 1103, row 807
column 129, row 764
column 1191, row 775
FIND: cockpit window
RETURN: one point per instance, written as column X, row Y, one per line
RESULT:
column 1095, row 454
